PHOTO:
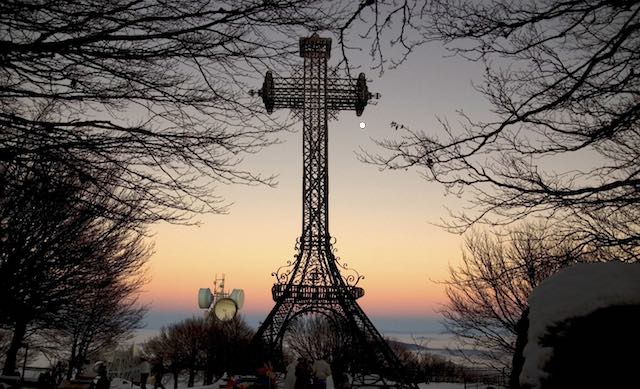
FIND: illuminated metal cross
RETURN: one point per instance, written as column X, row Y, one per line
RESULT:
column 313, row 282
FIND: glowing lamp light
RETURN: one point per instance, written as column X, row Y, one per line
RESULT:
column 362, row 125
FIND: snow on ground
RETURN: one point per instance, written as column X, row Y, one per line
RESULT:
column 450, row 385
column 119, row 383
column 574, row 292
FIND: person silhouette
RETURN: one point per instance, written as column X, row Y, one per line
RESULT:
column 102, row 380
column 158, row 372
column 145, row 370
column 303, row 374
column 321, row 370
column 290, row 377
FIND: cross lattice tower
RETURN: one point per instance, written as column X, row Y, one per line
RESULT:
column 313, row 282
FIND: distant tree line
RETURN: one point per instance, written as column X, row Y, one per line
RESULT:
column 202, row 344
column 425, row 366
column 314, row 336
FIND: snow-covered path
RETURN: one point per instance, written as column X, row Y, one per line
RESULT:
column 117, row 383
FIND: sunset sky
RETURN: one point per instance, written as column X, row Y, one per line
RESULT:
column 382, row 220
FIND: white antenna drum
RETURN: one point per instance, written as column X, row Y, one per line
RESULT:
column 205, row 298
column 237, row 295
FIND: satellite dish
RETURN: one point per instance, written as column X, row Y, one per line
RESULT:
column 205, row 298
column 237, row 295
column 225, row 309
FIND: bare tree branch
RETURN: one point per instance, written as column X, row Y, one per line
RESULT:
column 562, row 82
column 158, row 88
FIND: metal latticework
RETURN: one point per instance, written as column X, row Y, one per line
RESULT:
column 314, row 281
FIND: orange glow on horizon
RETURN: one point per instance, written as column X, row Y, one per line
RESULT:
column 381, row 219
column 398, row 280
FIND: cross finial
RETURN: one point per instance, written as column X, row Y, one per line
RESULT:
column 315, row 47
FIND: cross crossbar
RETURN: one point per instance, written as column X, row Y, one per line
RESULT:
column 341, row 93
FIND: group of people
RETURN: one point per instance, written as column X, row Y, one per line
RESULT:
column 51, row 378
column 145, row 371
column 101, row 381
column 301, row 374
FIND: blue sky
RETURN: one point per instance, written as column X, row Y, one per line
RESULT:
column 385, row 324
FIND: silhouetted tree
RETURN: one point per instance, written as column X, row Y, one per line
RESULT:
column 488, row 291
column 157, row 88
column 205, row 344
column 5, row 338
column 57, row 244
column 562, row 82
column 183, row 343
column 315, row 336
column 107, row 313
column 227, row 347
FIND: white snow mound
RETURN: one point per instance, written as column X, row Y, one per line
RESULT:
column 572, row 292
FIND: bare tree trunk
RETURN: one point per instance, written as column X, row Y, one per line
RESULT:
column 208, row 367
column 518, row 359
column 192, row 376
column 72, row 359
column 16, row 342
